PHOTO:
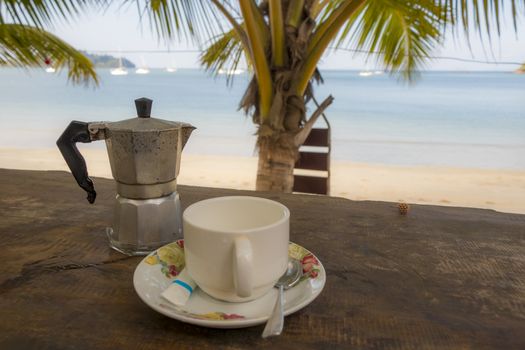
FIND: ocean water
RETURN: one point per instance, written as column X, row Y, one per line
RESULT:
column 473, row 120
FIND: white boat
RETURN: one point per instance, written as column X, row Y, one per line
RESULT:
column 172, row 68
column 50, row 70
column 365, row 73
column 231, row 71
column 142, row 70
column 120, row 70
column 378, row 72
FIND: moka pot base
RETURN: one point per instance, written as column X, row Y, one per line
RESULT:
column 143, row 225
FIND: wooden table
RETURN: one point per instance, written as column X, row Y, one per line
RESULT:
column 440, row 277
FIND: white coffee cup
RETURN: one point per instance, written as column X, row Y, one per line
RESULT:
column 236, row 248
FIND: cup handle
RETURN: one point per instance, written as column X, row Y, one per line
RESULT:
column 242, row 267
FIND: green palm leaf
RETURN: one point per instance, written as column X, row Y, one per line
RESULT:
column 44, row 12
column 190, row 19
column 24, row 41
column 224, row 53
column 23, row 46
column 480, row 15
column 399, row 34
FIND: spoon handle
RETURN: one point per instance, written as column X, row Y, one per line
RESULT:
column 275, row 323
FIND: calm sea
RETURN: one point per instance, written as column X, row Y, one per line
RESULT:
column 474, row 120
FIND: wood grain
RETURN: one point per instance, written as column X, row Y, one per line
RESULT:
column 441, row 277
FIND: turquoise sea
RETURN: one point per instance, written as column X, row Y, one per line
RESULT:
column 459, row 119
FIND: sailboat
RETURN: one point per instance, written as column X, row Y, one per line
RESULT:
column 120, row 70
column 143, row 69
column 368, row 72
column 171, row 68
column 365, row 73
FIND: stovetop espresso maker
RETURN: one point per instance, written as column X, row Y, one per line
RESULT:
column 144, row 154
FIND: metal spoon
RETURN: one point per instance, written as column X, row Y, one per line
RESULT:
column 275, row 323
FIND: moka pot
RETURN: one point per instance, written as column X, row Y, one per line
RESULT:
column 144, row 154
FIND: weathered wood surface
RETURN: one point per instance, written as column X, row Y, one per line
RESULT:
column 440, row 277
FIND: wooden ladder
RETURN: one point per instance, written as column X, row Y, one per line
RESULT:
column 318, row 161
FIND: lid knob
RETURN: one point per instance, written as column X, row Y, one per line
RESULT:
column 143, row 106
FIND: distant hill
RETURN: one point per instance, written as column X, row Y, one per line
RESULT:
column 521, row 70
column 108, row 61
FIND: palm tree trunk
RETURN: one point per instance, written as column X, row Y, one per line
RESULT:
column 276, row 164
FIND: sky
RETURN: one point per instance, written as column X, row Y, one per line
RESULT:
column 121, row 29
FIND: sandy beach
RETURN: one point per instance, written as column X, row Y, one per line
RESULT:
column 499, row 190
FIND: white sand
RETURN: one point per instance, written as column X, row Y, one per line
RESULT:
column 499, row 190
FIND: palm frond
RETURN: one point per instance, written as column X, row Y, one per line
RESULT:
column 23, row 46
column 193, row 20
column 324, row 33
column 480, row 15
column 277, row 33
column 44, row 12
column 258, row 37
column 400, row 35
column 318, row 8
column 224, row 53
column 294, row 12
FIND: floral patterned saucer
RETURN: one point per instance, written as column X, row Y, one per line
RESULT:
column 155, row 272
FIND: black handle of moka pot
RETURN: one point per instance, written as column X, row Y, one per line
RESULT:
column 77, row 132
